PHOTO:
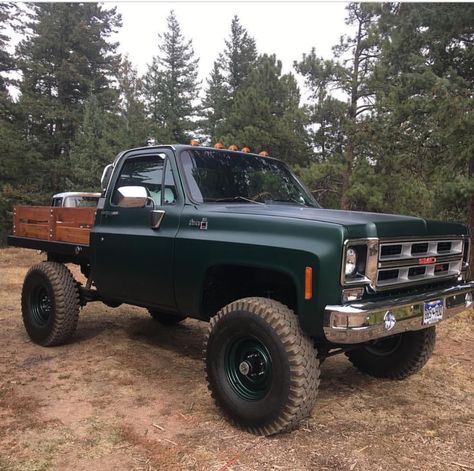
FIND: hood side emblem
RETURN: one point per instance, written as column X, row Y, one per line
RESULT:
column 202, row 224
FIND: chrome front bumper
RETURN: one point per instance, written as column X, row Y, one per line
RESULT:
column 363, row 321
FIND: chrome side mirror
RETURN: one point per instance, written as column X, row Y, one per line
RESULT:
column 131, row 196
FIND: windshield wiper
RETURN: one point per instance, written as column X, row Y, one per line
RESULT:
column 230, row 199
column 289, row 200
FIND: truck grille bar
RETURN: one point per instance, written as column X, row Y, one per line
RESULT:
column 419, row 260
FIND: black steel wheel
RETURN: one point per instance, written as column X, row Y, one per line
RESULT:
column 50, row 304
column 262, row 370
column 395, row 357
column 166, row 319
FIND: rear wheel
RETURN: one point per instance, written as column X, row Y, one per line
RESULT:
column 165, row 318
column 50, row 304
column 262, row 370
column 395, row 357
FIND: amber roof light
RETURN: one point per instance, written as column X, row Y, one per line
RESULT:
column 264, row 153
column 246, row 149
column 194, row 142
column 233, row 147
column 218, row 145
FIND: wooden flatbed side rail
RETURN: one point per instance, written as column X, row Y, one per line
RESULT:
column 54, row 224
column 31, row 221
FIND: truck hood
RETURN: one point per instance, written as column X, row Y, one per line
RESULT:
column 356, row 223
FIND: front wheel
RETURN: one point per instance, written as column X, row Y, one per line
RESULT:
column 262, row 370
column 395, row 357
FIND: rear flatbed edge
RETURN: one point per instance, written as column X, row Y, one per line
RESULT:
column 78, row 251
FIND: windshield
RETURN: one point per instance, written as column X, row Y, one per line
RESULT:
column 217, row 176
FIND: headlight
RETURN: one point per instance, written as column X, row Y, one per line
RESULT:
column 359, row 262
column 351, row 261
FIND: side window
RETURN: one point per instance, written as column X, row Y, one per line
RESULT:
column 144, row 171
column 148, row 171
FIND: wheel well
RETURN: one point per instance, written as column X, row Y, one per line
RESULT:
column 226, row 283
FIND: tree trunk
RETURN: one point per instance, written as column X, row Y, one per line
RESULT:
column 352, row 117
column 346, row 175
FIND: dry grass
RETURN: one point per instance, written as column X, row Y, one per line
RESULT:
column 127, row 394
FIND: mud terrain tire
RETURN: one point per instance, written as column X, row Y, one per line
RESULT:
column 50, row 304
column 262, row 370
column 396, row 357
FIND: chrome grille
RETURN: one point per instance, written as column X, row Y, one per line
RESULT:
column 415, row 261
column 429, row 248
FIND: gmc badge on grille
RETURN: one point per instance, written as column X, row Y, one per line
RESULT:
column 426, row 260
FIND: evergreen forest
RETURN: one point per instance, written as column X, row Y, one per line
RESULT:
column 388, row 125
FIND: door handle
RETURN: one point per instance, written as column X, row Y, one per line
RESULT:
column 156, row 216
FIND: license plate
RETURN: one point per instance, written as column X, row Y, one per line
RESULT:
column 433, row 312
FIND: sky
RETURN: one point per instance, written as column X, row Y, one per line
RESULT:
column 287, row 29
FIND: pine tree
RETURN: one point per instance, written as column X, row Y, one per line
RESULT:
column 66, row 58
column 327, row 113
column 131, row 107
column 228, row 76
column 341, row 130
column 104, row 133
column 6, row 60
column 98, row 140
column 355, row 79
column 239, row 57
column 15, row 161
column 215, row 104
column 154, row 96
column 327, row 116
column 171, row 86
column 88, row 150
column 266, row 114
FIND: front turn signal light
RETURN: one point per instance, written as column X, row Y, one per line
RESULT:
column 308, row 283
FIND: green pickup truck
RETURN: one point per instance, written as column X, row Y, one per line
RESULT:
column 235, row 239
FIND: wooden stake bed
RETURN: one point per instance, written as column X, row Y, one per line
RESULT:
column 72, row 225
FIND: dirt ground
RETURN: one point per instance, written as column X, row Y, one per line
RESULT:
column 128, row 394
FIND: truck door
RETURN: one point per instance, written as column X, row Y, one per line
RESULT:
column 133, row 261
